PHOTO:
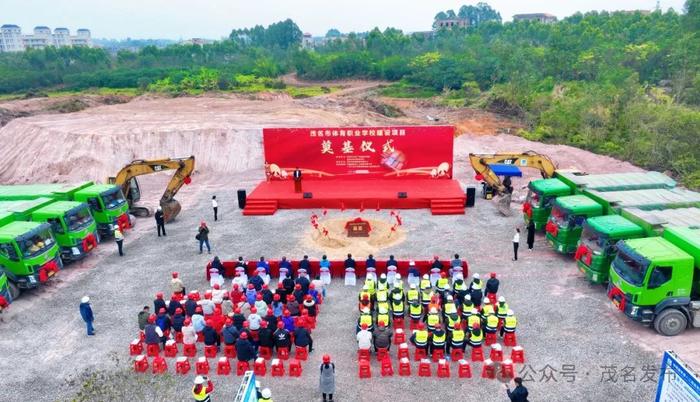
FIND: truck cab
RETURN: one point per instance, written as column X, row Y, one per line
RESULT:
column 28, row 254
column 108, row 206
column 656, row 280
column 540, row 199
column 72, row 225
column 567, row 219
column 598, row 244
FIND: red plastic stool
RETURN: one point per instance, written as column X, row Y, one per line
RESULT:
column 301, row 353
column 387, row 368
column 382, row 353
column 230, row 351
column 488, row 370
column 140, row 364
column 404, row 367
column 510, row 339
column 277, row 368
column 265, row 352
column 179, row 337
column 210, row 351
column 159, row 366
column 295, row 368
column 424, row 368
column 491, row 338
column 443, row 369
column 170, row 348
column 363, row 354
column 438, row 354
column 398, row 323
column 153, row 349
column 242, row 367
column 403, row 351
column 142, row 336
column 413, row 325
column 517, row 355
column 496, row 353
column 364, row 370
column 189, row 350
column 507, row 370
column 260, row 368
column 477, row 354
column 465, row 370
column 223, row 367
column 456, row 354
column 399, row 336
column 202, row 366
column 420, row 354
column 182, row 365
column 135, row 348
column 200, row 336
column 283, row 353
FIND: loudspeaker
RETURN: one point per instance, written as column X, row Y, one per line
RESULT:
column 308, row 195
column 403, row 194
column 471, row 197
column 241, row 199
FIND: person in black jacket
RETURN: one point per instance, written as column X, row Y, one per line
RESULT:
column 230, row 333
column 302, row 337
column 305, row 264
column 283, row 339
column 349, row 262
column 392, row 261
column 266, row 336
column 190, row 307
column 303, row 281
column 288, row 284
column 178, row 320
column 244, row 349
column 160, row 221
column 173, row 306
column 267, row 294
column 211, row 337
column 519, row 393
column 159, row 303
column 492, row 284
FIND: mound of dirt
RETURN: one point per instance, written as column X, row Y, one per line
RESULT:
column 336, row 244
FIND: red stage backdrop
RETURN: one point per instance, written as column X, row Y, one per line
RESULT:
column 360, row 152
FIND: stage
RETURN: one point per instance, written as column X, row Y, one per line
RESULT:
column 442, row 196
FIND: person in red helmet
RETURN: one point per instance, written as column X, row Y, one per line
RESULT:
column 244, row 348
column 163, row 321
column 327, row 380
column 266, row 335
column 420, row 337
column 191, row 304
column 211, row 337
column 283, row 339
column 310, row 305
column 159, row 303
column 476, row 336
column 189, row 336
column 492, row 286
column 364, row 337
column 153, row 333
column 176, row 284
column 293, row 306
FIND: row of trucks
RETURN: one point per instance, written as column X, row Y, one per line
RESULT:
column 636, row 232
column 44, row 226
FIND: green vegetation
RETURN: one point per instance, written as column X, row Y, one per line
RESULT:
column 626, row 84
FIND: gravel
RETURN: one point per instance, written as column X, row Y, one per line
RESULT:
column 562, row 320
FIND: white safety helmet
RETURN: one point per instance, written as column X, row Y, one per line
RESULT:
column 501, row 299
column 475, row 276
column 487, row 301
column 85, row 299
column 411, row 263
column 199, row 380
column 397, row 277
column 449, row 298
column 413, row 286
column 475, row 311
column 468, row 297
column 433, row 310
column 266, row 393
column 160, row 208
column 426, row 276
column 382, row 276
column 510, row 312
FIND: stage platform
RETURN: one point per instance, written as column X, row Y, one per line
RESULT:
column 442, row 196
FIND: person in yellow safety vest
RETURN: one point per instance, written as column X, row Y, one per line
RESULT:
column 365, row 318
column 383, row 316
column 383, row 306
column 425, row 296
column 438, row 340
column 476, row 290
column 491, row 325
column 467, row 307
column 502, row 308
column 435, row 303
column 412, row 294
column 415, row 311
column 459, row 288
column 419, row 338
column 397, row 308
column 450, row 307
column 381, row 295
column 201, row 391
column 457, row 338
column 509, row 323
column 474, row 319
column 383, row 284
column 452, row 321
column 371, row 288
column 487, row 309
column 476, row 337
column 265, row 395
column 396, row 294
column 443, row 284
column 425, row 283
column 398, row 283
column 432, row 319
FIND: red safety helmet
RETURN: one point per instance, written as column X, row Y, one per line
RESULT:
column 253, row 310
column 250, row 286
column 258, row 297
column 151, row 318
column 198, row 309
column 280, row 325
column 209, row 323
column 263, row 323
column 159, row 295
column 493, row 274
column 178, row 310
column 381, row 323
column 246, row 324
column 312, row 286
column 244, row 335
column 175, row 274
column 237, row 310
column 421, row 326
column 161, row 311
column 229, row 321
column 264, row 286
column 297, row 286
column 286, row 313
column 187, row 321
column 364, row 326
column 276, row 297
column 326, row 359
column 216, row 286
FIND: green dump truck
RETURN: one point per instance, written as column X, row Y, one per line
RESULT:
column 71, row 222
column 543, row 192
column 28, row 253
column 656, row 280
column 571, row 212
column 107, row 203
column 596, row 248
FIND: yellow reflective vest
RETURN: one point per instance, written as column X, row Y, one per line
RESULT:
column 425, row 284
column 443, row 284
column 457, row 336
column 415, row 311
column 366, row 319
column 202, row 396
column 476, row 338
column 492, row 322
column 397, row 307
column 452, row 323
column 421, row 337
column 433, row 320
column 510, row 323
column 425, row 296
column 450, row 308
column 439, row 340
column 413, row 295
column 385, row 318
column 486, row 309
column 502, row 310
column 382, row 295
column 473, row 320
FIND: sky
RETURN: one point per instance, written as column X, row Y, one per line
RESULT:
column 214, row 19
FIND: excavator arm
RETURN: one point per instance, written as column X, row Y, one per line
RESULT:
column 529, row 159
column 126, row 179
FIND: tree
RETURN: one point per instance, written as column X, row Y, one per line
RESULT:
column 479, row 14
column 333, row 33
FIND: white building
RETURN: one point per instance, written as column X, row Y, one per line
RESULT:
column 41, row 38
column 82, row 38
column 11, row 38
column 61, row 37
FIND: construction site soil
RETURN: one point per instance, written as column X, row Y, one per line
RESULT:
column 564, row 324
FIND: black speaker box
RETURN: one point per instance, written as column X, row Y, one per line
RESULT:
column 308, row 195
column 403, row 194
column 241, row 199
column 471, row 197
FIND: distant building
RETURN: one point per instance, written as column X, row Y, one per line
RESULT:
column 197, row 41
column 12, row 40
column 538, row 17
column 307, row 41
column 449, row 23
column 41, row 38
column 82, row 38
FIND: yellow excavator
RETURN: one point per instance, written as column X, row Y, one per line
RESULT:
column 492, row 184
column 126, row 179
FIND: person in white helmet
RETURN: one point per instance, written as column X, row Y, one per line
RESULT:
column 501, row 308
column 202, row 389
column 265, row 395
column 86, row 314
column 413, row 273
column 476, row 290
column 509, row 323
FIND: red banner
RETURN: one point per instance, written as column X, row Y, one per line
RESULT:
column 344, row 152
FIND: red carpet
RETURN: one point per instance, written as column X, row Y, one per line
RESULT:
column 443, row 197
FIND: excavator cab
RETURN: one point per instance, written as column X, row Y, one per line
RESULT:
column 134, row 194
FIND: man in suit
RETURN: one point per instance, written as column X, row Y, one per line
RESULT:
column 297, row 180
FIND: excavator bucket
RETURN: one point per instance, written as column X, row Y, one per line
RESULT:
column 170, row 209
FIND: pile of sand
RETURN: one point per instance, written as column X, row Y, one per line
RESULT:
column 336, row 244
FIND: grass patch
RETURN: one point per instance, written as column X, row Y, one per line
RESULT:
column 405, row 90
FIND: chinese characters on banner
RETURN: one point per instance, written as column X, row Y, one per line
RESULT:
column 381, row 152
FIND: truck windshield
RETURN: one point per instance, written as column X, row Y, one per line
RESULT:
column 559, row 217
column 630, row 268
column 78, row 218
column 593, row 240
column 35, row 242
column 113, row 198
column 533, row 198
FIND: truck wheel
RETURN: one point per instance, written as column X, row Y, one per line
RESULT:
column 14, row 290
column 670, row 322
